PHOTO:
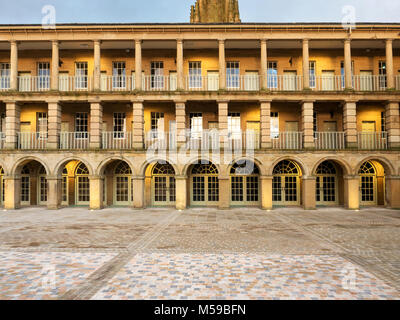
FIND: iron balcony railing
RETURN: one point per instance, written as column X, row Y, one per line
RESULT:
column 287, row 140
column 159, row 83
column 159, row 140
column 247, row 140
column 202, row 83
column 5, row 83
column 372, row 140
column 243, row 83
column 117, row 140
column 285, row 82
column 74, row 140
column 327, row 83
column 32, row 140
column 329, row 140
column 117, row 83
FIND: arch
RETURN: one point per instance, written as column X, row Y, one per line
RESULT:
column 163, row 184
column 287, row 167
column 388, row 167
column 59, row 168
column 209, row 168
column 339, row 162
column 81, row 169
column 103, row 165
column 329, row 189
column 23, row 161
column 198, row 159
column 163, row 169
column 303, row 168
column 257, row 163
column 147, row 163
column 241, row 168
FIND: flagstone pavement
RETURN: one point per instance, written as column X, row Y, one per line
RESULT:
column 243, row 253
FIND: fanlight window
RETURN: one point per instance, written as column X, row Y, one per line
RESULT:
column 326, row 167
column 65, row 171
column 42, row 170
column 123, row 168
column 205, row 169
column 367, row 168
column 25, row 170
column 82, row 169
column 163, row 169
column 244, row 168
column 286, row 167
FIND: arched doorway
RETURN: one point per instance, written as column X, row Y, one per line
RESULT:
column 64, row 188
column 34, row 187
column 372, row 184
column 245, row 190
column 163, row 185
column 82, row 185
column 327, row 184
column 2, row 186
column 286, row 184
column 204, row 182
column 122, row 186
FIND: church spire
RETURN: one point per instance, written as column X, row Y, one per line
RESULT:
column 215, row 11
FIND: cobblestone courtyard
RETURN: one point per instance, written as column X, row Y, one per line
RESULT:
column 199, row 254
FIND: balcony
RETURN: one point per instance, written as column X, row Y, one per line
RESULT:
column 285, row 82
column 372, row 141
column 369, row 83
column 33, row 84
column 32, row 140
column 158, row 140
column 74, row 140
column 200, row 83
column 4, row 83
column 117, row 83
column 329, row 140
column 75, row 83
column 117, row 140
column 287, row 140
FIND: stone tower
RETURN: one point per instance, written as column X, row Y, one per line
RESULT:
column 215, row 11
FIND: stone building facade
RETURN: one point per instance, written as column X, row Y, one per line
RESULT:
column 182, row 115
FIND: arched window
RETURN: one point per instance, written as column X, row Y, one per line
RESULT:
column 326, row 184
column 326, row 167
column 25, row 185
column 123, row 193
column 367, row 168
column 82, row 184
column 286, row 167
column 205, row 184
column 368, row 188
column 42, row 186
column 123, row 168
column 81, row 169
column 205, row 169
column 2, row 185
column 163, row 169
column 65, row 186
column 244, row 168
column 25, row 170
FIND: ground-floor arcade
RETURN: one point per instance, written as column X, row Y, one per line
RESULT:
column 99, row 180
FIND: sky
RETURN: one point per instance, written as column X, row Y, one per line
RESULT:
column 142, row 11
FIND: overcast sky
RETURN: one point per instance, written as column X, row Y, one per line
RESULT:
column 138, row 11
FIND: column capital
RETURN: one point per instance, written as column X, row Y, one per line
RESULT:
column 308, row 177
column 180, row 101
column 95, row 100
column 15, row 42
column 392, row 101
column 305, row 40
column 265, row 100
column 139, row 41
column 389, row 40
column 221, row 41
column 181, row 177
column 97, row 41
column 307, row 101
column 222, row 101
column 56, row 42
column 138, row 178
column 11, row 101
column 264, row 40
column 350, row 101
column 179, row 40
column 266, row 177
column 137, row 101
column 53, row 100
column 351, row 177
column 347, row 40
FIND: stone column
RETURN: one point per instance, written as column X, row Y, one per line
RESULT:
column 180, row 118
column 392, row 116
column 12, row 192
column 222, row 65
column 350, row 123
column 266, row 192
column 264, row 64
column 352, row 192
column 308, row 193
column 223, row 122
column 96, row 124
column 55, row 60
column 224, row 192
column 347, row 64
column 306, row 64
column 97, row 66
column 181, row 192
column 96, row 192
column 14, row 66
column 138, row 197
column 138, row 64
column 265, row 124
column 389, row 64
column 54, row 125
column 394, row 190
column 13, row 111
column 54, row 185
column 179, row 64
column 138, row 125
column 307, row 115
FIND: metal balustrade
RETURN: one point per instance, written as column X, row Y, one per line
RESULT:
column 4, row 83
column 158, row 140
column 159, row 83
column 329, row 140
column 287, row 141
column 32, row 140
column 369, row 83
column 201, row 83
column 246, row 140
column 117, row 140
column 117, row 83
column 204, row 140
column 285, row 82
column 75, row 83
column 372, row 141
column 74, row 140
column 243, row 83
column 327, row 83
column 33, row 83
